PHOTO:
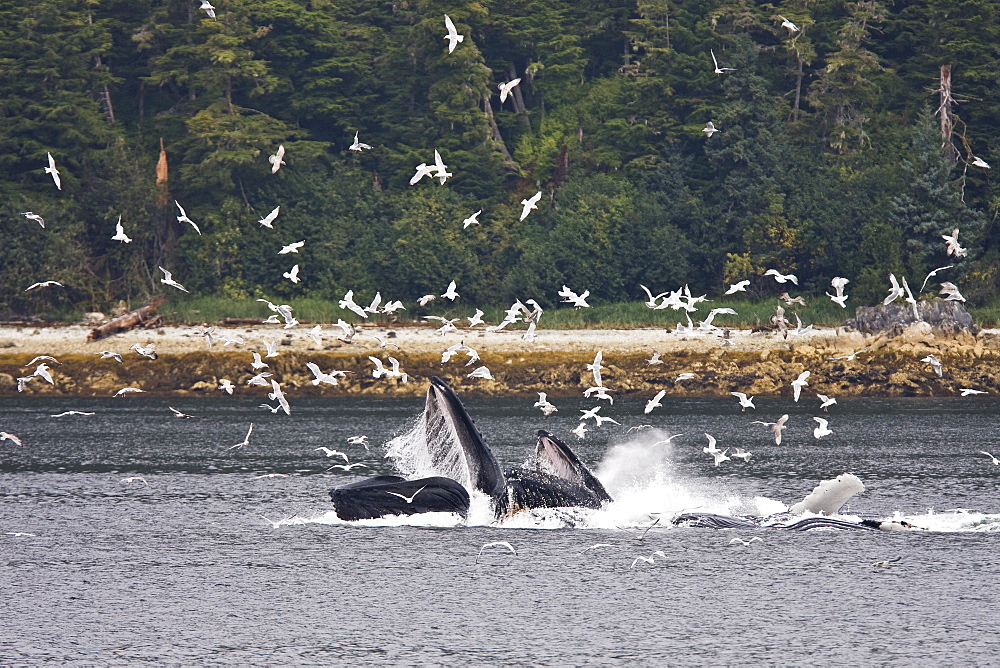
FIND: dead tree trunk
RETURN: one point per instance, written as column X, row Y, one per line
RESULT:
column 945, row 114
column 495, row 132
column 125, row 322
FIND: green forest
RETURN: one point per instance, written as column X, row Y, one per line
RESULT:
column 851, row 136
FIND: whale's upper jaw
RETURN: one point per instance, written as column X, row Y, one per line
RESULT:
column 564, row 463
column 464, row 442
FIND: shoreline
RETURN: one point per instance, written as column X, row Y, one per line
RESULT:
column 759, row 363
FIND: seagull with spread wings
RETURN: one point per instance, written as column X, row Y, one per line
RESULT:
column 183, row 218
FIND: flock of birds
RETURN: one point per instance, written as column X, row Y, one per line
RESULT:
column 528, row 313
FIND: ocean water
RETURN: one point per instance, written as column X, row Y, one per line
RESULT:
column 209, row 562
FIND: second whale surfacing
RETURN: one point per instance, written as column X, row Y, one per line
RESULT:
column 445, row 441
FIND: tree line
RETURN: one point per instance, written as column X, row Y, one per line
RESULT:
column 846, row 147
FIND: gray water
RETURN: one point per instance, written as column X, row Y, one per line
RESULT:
column 186, row 570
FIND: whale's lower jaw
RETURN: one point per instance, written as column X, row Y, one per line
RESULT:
column 383, row 496
column 527, row 489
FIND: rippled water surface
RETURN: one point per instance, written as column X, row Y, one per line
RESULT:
column 185, row 569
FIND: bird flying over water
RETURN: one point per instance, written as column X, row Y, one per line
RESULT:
column 799, row 383
column 821, row 429
column 654, row 402
column 745, row 401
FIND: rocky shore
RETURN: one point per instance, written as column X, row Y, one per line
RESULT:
column 760, row 363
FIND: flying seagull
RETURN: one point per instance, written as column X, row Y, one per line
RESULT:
column 499, row 543
column 245, row 441
column 51, row 169
column 506, row 88
column 529, row 204
column 276, row 159
column 710, row 129
column 168, row 280
column 785, row 23
column 821, row 430
column 654, row 402
column 409, row 499
column 292, row 247
column 268, row 220
column 120, row 233
column 209, row 9
column 35, row 217
column 737, row 287
column 453, row 37
column 292, row 274
column 183, row 218
column 720, row 70
column 745, row 401
column 471, row 220
column 357, row 145
column 44, row 284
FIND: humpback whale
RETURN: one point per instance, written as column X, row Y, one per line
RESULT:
column 446, row 442
column 825, row 500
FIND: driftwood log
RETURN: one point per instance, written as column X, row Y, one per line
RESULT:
column 123, row 323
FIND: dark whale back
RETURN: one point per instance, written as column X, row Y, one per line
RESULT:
column 376, row 497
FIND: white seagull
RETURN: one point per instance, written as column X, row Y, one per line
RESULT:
column 481, row 372
column 126, row 390
column 710, row 129
column 799, row 383
column 168, row 280
column 506, row 88
column 209, row 9
column 44, row 284
column 292, row 247
column 35, row 217
column 357, row 145
column 276, row 160
column 826, row 401
column 782, row 278
column 719, row 70
column 226, row 385
column 654, row 402
column 775, row 427
column 933, row 273
column 292, row 274
column 423, row 169
column 183, row 218
column 821, row 430
column 838, row 297
column 453, row 37
column 245, row 441
column 785, row 23
column 471, row 220
column 952, row 246
column 332, row 453
column 529, row 204
column 968, row 391
column 320, row 376
column 7, row 436
column 268, row 220
column 120, row 233
column 499, row 543
column 349, row 303
column 737, row 287
column 450, row 292
column 570, row 297
column 277, row 395
column 996, row 462
column 51, row 169
column 935, row 364
column 408, row 499
column 440, row 169
column 979, row 162
column 745, row 401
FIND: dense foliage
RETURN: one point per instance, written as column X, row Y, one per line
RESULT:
column 835, row 156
